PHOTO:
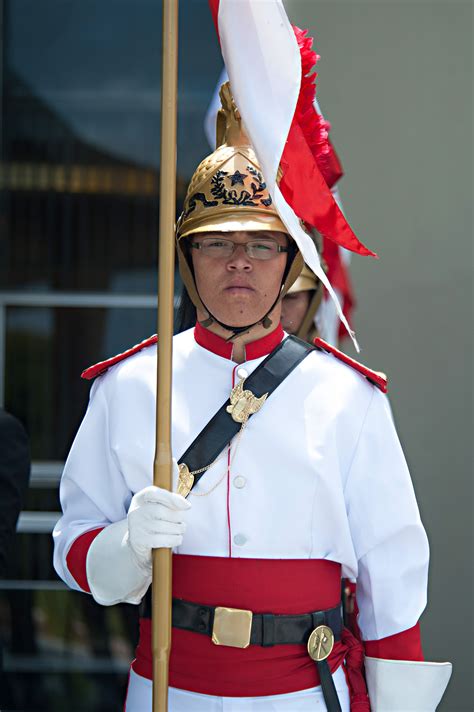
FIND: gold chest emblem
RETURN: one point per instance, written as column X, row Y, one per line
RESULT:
column 243, row 403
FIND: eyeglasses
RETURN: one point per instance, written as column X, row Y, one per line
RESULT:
column 222, row 248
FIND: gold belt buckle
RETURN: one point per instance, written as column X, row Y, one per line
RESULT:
column 232, row 627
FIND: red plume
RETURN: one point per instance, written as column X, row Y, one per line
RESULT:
column 309, row 163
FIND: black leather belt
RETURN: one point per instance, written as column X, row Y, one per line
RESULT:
column 241, row 628
column 266, row 629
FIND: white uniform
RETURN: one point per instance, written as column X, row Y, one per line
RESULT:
column 139, row 699
column 319, row 473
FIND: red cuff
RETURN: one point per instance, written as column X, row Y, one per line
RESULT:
column 401, row 646
column 76, row 558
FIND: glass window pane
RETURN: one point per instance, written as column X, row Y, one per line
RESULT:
column 81, row 117
column 46, row 351
column 63, row 651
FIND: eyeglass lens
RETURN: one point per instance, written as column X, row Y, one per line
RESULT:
column 264, row 249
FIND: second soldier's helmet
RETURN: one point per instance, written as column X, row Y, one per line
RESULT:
column 308, row 282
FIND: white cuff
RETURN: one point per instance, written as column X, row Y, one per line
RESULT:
column 113, row 573
column 405, row 685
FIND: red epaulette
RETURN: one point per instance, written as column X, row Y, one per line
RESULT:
column 376, row 377
column 99, row 368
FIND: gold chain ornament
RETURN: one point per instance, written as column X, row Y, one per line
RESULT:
column 186, row 478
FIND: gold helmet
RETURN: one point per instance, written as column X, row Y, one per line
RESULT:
column 228, row 193
column 307, row 281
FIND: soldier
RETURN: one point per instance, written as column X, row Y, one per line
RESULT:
column 299, row 478
column 300, row 306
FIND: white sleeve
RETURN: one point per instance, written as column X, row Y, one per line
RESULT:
column 388, row 537
column 93, row 492
column 396, row 685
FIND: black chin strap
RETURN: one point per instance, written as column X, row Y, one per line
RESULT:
column 239, row 330
column 235, row 330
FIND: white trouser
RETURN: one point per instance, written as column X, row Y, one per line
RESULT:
column 139, row 699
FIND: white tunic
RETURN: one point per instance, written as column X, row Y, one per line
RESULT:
column 319, row 473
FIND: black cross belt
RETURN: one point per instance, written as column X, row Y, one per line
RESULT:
column 265, row 379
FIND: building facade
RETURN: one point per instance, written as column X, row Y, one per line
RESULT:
column 79, row 206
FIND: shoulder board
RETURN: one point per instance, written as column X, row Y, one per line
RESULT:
column 376, row 377
column 99, row 368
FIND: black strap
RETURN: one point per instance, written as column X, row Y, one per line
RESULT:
column 328, row 687
column 327, row 683
column 220, row 430
column 267, row 628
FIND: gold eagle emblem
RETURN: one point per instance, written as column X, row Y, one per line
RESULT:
column 244, row 403
column 185, row 480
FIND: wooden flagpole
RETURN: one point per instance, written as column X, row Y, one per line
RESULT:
column 162, row 558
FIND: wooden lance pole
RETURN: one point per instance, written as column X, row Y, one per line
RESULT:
column 162, row 466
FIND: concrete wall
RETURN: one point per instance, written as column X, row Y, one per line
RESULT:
column 395, row 80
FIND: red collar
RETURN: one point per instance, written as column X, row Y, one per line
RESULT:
column 255, row 349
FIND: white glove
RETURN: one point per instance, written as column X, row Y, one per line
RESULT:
column 155, row 521
column 118, row 562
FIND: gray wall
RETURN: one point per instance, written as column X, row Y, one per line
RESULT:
column 395, row 80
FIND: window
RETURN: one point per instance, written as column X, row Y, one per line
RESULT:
column 79, row 205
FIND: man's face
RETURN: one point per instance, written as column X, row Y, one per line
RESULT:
column 293, row 310
column 239, row 290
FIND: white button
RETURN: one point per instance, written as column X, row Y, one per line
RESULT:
column 242, row 373
column 240, row 539
column 239, row 481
